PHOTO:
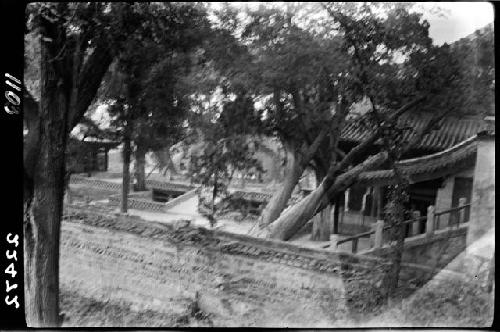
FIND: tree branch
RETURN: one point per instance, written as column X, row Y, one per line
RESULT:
column 358, row 150
column 89, row 81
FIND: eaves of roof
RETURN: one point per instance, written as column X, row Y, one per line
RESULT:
column 452, row 160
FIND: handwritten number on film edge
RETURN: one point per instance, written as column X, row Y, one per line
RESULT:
column 11, row 270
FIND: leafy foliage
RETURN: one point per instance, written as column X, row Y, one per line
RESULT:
column 228, row 145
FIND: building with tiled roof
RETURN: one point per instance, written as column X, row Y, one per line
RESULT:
column 452, row 131
column 442, row 173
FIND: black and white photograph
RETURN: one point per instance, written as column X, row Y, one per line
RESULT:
column 253, row 164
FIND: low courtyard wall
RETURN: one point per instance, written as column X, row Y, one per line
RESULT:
column 435, row 251
column 138, row 204
column 256, row 282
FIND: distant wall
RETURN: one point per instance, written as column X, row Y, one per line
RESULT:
column 115, row 161
column 139, row 204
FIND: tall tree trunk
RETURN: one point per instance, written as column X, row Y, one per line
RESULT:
column 140, row 168
column 214, row 196
column 49, row 123
column 43, row 204
column 321, row 224
column 126, row 173
column 395, row 215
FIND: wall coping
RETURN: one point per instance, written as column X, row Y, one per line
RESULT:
column 421, row 239
column 314, row 259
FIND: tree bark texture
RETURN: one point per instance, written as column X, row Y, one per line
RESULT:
column 279, row 200
column 126, row 173
column 140, row 169
column 298, row 160
column 294, row 218
column 64, row 100
column 297, row 216
column 43, row 200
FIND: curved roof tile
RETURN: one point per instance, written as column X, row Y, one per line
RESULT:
column 451, row 160
column 452, row 131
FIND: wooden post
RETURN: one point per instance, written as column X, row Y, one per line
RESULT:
column 334, row 239
column 380, row 207
column 106, row 159
column 355, row 245
column 325, row 224
column 346, row 200
column 430, row 220
column 315, row 227
column 363, row 208
column 373, row 208
column 379, row 233
column 461, row 213
column 415, row 224
column 333, row 207
column 327, row 215
column 336, row 218
column 372, row 237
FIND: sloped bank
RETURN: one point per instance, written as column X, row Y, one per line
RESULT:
column 240, row 281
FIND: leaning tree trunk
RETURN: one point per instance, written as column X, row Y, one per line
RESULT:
column 299, row 161
column 126, row 173
column 43, row 203
column 140, row 169
column 293, row 219
column 279, row 200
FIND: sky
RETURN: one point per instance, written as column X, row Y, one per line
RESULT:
column 460, row 20
column 456, row 19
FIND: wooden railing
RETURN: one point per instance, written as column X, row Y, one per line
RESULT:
column 432, row 223
column 354, row 240
column 460, row 212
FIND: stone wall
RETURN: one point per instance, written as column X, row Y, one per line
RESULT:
column 138, row 204
column 482, row 213
column 435, row 252
column 255, row 282
column 78, row 179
